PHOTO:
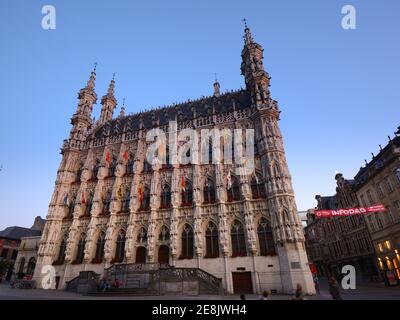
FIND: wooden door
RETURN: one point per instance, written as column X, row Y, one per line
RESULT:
column 141, row 255
column 163, row 254
column 242, row 282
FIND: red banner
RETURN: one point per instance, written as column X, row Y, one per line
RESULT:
column 349, row 212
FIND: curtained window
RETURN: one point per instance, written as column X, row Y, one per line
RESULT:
column 212, row 244
column 257, row 188
column 165, row 197
column 187, row 242
column 209, row 192
column 81, row 249
column 238, row 240
column 101, row 241
column 145, row 204
column 234, row 190
column 265, row 238
column 187, row 195
column 120, row 248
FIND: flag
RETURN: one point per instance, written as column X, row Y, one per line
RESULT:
column 66, row 199
column 108, row 157
column 119, row 193
column 183, row 184
column 125, row 155
column 140, row 192
column 83, row 201
column 229, row 180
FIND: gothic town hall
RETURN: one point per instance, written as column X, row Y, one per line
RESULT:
column 112, row 212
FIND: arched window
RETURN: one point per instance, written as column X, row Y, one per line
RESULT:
column 212, row 244
column 21, row 266
column 209, row 192
column 112, row 168
column 166, row 164
column 89, row 204
column 120, row 248
column 187, row 194
column 187, row 242
column 101, row 241
column 130, row 165
column 165, row 197
column 80, row 252
column 265, row 238
column 142, row 236
column 164, row 234
column 126, row 200
column 107, row 203
column 61, row 251
column 95, row 170
column 233, row 190
column 257, row 188
column 145, row 203
column 210, row 152
column 31, row 266
column 238, row 240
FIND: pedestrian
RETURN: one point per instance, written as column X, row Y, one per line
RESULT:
column 316, row 284
column 334, row 289
column 242, row 297
column 264, row 296
column 116, row 283
column 299, row 294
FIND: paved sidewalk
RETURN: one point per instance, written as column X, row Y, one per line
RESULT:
column 363, row 292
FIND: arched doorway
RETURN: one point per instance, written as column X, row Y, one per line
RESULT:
column 163, row 254
column 141, row 255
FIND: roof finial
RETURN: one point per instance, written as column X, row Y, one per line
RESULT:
column 113, row 76
column 245, row 23
column 95, row 67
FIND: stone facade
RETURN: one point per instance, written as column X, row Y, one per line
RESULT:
column 338, row 241
column 111, row 206
column 379, row 182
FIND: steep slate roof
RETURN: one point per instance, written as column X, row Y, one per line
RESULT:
column 16, row 233
column 184, row 111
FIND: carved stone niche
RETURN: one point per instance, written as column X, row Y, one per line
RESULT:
column 85, row 175
column 103, row 172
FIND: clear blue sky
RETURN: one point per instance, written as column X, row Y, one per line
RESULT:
column 338, row 89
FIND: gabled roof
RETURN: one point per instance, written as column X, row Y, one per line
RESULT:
column 16, row 233
column 235, row 100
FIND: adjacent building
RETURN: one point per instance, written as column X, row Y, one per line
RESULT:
column 379, row 182
column 334, row 242
column 369, row 242
column 10, row 240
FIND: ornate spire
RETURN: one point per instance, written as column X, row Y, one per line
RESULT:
column 248, row 38
column 92, row 79
column 216, row 87
column 109, row 102
column 122, row 112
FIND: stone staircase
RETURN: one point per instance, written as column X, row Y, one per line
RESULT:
column 155, row 279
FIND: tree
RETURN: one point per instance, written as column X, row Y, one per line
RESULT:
column 4, row 266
